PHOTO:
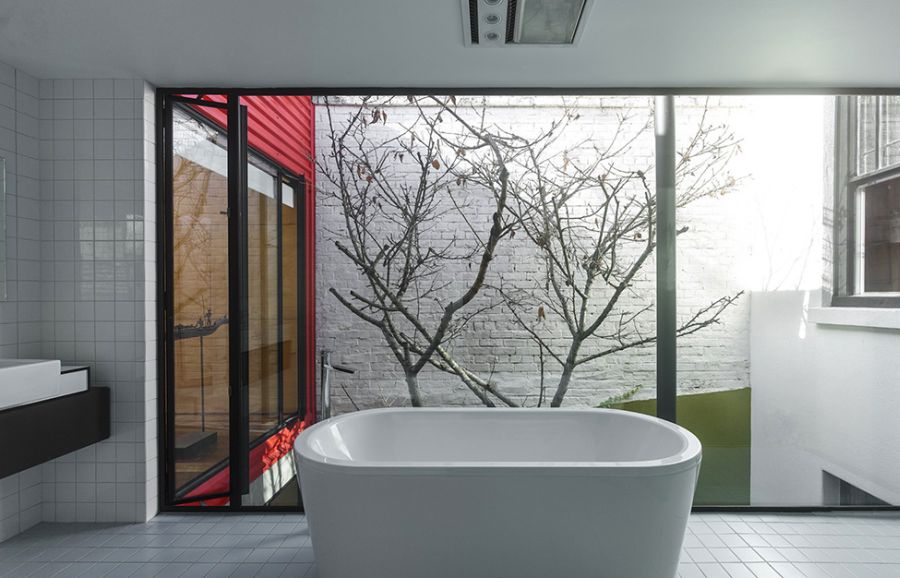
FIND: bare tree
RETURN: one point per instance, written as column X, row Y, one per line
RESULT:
column 393, row 191
column 592, row 215
column 587, row 210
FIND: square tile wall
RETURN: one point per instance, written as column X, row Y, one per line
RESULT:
column 20, row 313
column 96, row 265
column 81, row 244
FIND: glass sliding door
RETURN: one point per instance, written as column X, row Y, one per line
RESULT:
column 232, row 313
column 199, row 309
column 274, row 341
column 263, row 312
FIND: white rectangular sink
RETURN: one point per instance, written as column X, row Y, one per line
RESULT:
column 24, row 381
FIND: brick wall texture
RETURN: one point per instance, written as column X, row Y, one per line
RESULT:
column 723, row 240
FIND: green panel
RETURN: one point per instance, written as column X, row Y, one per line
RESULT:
column 721, row 420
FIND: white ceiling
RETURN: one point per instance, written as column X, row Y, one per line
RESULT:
column 804, row 44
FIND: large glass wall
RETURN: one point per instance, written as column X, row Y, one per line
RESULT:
column 520, row 274
column 787, row 220
column 502, row 252
column 755, row 231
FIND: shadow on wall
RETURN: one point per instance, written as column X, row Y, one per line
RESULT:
column 721, row 420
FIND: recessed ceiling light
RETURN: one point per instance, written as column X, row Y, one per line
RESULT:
column 492, row 18
column 548, row 21
column 492, row 36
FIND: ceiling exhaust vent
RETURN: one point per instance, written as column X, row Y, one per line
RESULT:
column 509, row 22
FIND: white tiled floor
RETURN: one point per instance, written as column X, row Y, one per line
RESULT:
column 735, row 545
column 169, row 545
column 789, row 545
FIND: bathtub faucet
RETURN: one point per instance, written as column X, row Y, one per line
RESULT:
column 327, row 368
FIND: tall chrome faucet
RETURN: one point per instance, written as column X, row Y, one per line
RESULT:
column 327, row 368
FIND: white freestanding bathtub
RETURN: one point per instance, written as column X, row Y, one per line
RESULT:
column 497, row 493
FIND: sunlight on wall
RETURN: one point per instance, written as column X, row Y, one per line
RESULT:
column 783, row 151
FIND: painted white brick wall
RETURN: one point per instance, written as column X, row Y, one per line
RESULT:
column 724, row 242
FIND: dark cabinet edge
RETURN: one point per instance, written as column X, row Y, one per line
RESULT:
column 39, row 432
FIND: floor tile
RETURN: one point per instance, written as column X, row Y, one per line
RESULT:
column 728, row 545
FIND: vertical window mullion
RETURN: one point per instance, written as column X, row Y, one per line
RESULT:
column 852, row 142
column 300, row 201
column 849, row 201
column 167, row 270
column 279, row 249
column 879, row 100
column 239, row 451
column 847, row 152
column 666, row 319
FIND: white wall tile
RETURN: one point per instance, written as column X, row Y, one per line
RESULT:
column 63, row 88
column 83, row 88
column 7, row 75
column 76, row 171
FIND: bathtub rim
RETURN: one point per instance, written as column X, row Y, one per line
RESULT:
column 689, row 457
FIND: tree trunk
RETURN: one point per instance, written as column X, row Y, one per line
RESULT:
column 563, row 386
column 412, row 383
column 568, row 369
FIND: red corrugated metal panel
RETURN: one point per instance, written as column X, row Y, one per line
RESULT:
column 280, row 127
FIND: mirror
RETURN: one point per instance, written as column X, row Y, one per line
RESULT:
column 2, row 229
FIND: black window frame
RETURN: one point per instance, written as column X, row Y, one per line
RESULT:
column 848, row 185
column 669, row 371
column 170, row 497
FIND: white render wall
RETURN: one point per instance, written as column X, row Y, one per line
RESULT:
column 825, row 398
column 764, row 235
column 81, row 259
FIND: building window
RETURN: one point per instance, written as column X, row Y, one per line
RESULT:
column 867, row 204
